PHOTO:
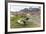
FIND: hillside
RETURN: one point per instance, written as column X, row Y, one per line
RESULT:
column 32, row 11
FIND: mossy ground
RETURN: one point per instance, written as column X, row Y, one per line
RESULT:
column 14, row 24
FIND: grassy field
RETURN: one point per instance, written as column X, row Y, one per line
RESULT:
column 35, row 22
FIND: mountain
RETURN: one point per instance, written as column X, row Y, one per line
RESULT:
column 30, row 10
column 33, row 11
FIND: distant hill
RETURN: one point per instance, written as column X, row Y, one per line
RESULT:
column 33, row 11
column 30, row 10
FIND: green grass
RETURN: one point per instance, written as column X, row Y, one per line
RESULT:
column 14, row 24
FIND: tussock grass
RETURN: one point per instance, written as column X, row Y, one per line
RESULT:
column 14, row 24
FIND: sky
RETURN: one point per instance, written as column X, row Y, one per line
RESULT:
column 19, row 6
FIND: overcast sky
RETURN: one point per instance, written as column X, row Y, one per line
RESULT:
column 19, row 6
